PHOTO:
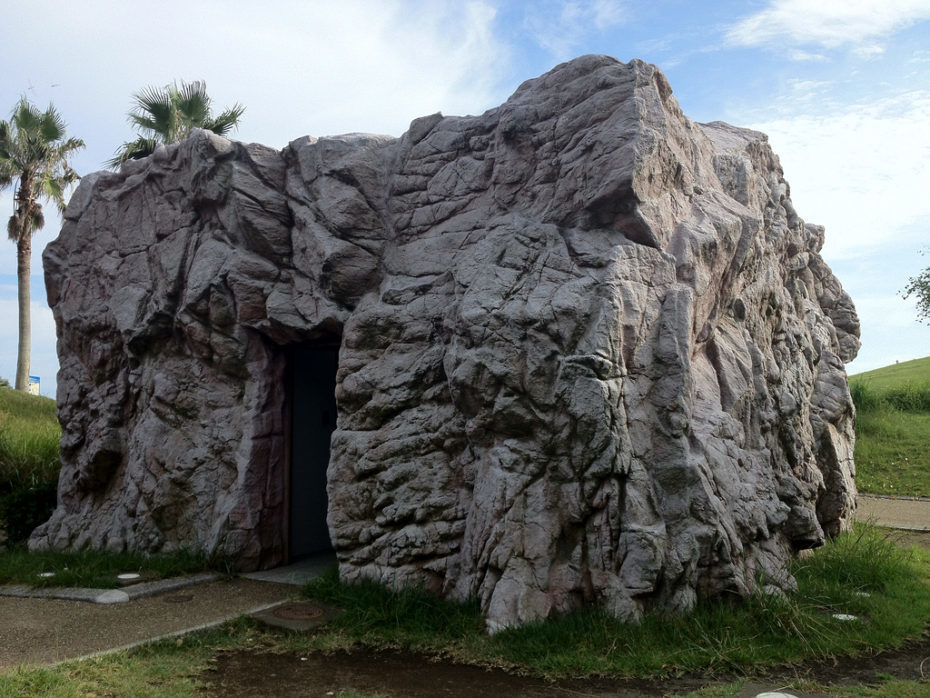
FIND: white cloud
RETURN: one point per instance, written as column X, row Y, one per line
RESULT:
column 861, row 170
column 298, row 67
column 869, row 51
column 828, row 23
column 560, row 27
column 800, row 55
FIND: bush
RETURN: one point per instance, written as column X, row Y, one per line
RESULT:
column 910, row 397
column 905, row 397
column 864, row 396
column 24, row 509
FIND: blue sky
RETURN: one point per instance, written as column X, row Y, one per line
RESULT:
column 842, row 87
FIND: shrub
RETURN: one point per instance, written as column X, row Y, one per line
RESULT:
column 24, row 509
column 905, row 397
column 864, row 396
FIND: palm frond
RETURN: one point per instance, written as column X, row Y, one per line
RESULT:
column 20, row 225
column 51, row 125
column 192, row 104
column 154, row 113
column 52, row 186
column 139, row 148
column 33, row 150
column 225, row 122
column 37, row 219
column 26, row 117
column 5, row 135
column 7, row 172
column 71, row 145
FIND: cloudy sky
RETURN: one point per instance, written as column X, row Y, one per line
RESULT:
column 842, row 87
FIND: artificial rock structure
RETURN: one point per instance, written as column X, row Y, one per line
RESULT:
column 587, row 352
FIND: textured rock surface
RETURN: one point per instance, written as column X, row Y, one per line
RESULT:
column 588, row 351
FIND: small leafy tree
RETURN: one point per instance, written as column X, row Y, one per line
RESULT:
column 168, row 114
column 34, row 158
column 919, row 287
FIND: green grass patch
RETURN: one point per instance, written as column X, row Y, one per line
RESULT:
column 893, row 429
column 161, row 670
column 29, row 440
column 96, row 569
column 895, row 375
column 862, row 573
column 892, row 452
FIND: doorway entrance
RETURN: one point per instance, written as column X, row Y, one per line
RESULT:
column 313, row 419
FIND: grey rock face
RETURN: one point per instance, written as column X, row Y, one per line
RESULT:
column 589, row 352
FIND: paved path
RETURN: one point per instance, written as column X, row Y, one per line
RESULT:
column 909, row 513
column 42, row 631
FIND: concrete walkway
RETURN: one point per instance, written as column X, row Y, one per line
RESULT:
column 54, row 625
column 906, row 513
column 43, row 631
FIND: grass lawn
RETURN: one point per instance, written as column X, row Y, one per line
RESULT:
column 893, row 452
column 29, row 437
column 96, row 569
column 861, row 573
column 896, row 375
column 893, row 429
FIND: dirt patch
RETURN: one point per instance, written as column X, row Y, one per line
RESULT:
column 241, row 674
column 921, row 539
column 245, row 673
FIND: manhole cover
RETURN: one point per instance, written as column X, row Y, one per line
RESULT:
column 178, row 598
column 298, row 611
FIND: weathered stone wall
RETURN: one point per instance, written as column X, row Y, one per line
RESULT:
column 589, row 352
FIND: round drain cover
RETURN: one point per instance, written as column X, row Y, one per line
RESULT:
column 298, row 611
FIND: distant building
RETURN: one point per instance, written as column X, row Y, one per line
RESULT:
column 34, row 385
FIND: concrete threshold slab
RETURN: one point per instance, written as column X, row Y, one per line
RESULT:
column 108, row 596
column 297, row 573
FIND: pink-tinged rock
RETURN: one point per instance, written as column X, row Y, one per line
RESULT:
column 589, row 352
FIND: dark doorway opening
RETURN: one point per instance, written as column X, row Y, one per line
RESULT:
column 313, row 419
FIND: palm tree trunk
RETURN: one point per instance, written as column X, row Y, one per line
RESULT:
column 23, row 264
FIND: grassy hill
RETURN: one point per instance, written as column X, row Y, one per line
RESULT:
column 29, row 437
column 896, row 375
column 893, row 428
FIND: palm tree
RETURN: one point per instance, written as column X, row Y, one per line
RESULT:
column 34, row 157
column 167, row 115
